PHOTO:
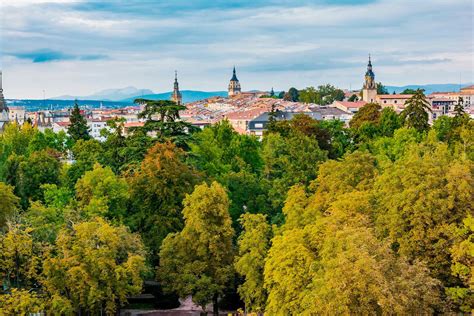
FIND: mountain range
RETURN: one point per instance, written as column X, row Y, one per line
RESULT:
column 128, row 94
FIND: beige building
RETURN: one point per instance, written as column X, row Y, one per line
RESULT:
column 234, row 85
column 395, row 101
column 467, row 94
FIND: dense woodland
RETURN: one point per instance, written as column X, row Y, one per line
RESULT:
column 316, row 218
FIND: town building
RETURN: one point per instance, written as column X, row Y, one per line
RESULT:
column 176, row 96
column 17, row 114
column 467, row 95
column 346, row 106
column 234, row 85
column 395, row 101
column 4, row 112
column 369, row 90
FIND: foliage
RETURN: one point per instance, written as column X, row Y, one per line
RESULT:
column 97, row 266
column 78, row 128
column 101, row 192
column 292, row 95
column 381, row 89
column 157, row 190
column 416, row 111
column 9, row 204
column 21, row 302
column 19, row 258
column 289, row 160
column 462, row 252
column 162, row 117
column 253, row 245
column 198, row 260
column 41, row 167
column 369, row 113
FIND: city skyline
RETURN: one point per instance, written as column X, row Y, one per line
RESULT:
column 81, row 47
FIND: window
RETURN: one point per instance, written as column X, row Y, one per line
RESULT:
column 395, row 101
column 258, row 125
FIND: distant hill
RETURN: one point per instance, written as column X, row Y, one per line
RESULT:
column 429, row 88
column 37, row 105
column 188, row 95
column 110, row 94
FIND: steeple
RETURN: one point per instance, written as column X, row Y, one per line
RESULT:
column 4, row 115
column 176, row 96
column 369, row 90
column 234, row 85
column 3, row 104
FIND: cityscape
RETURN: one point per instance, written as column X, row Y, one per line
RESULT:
column 277, row 158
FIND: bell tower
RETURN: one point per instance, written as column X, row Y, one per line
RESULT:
column 4, row 115
column 369, row 91
column 176, row 96
column 234, row 85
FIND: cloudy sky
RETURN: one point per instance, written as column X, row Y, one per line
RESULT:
column 80, row 47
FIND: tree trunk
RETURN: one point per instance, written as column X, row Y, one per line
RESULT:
column 215, row 305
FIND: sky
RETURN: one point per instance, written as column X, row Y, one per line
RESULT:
column 79, row 47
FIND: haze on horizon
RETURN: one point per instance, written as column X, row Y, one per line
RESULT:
column 79, row 47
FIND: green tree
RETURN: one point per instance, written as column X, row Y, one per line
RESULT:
column 416, row 112
column 310, row 95
column 289, row 160
column 162, row 117
column 389, row 122
column 420, row 197
column 78, row 128
column 369, row 113
column 96, row 268
column 462, row 253
column 42, row 167
column 381, row 89
column 9, row 204
column 408, row 91
column 253, row 245
column 353, row 98
column 101, row 192
column 48, row 140
column 157, row 190
column 198, row 260
column 292, row 95
column 86, row 153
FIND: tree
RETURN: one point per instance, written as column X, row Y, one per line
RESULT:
column 19, row 258
column 78, row 128
column 408, row 91
column 389, row 122
column 48, row 140
column 86, row 153
column 292, row 95
column 157, row 190
column 9, row 203
column 416, row 111
column 21, row 302
column 381, row 89
column 369, row 113
column 96, row 268
column 162, row 117
column 198, row 260
column 289, row 160
column 420, row 197
column 353, row 98
column 463, row 263
column 310, row 95
column 253, row 245
column 101, row 192
column 42, row 167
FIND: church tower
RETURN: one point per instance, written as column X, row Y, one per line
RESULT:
column 4, row 117
column 176, row 96
column 369, row 91
column 234, row 85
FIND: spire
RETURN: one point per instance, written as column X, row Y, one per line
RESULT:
column 176, row 96
column 234, row 76
column 3, row 104
column 369, row 72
